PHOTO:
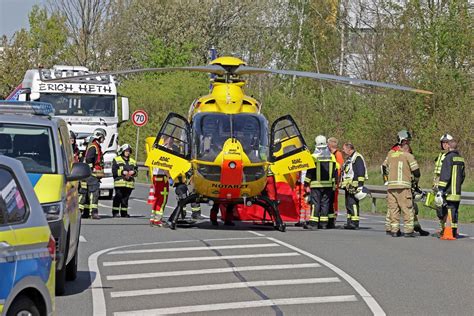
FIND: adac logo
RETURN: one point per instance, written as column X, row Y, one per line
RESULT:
column 297, row 164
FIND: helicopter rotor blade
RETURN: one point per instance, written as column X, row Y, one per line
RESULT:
column 214, row 69
column 246, row 70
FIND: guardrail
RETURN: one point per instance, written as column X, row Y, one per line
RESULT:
column 380, row 192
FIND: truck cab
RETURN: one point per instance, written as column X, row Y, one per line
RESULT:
column 84, row 105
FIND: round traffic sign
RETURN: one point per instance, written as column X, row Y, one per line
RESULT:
column 139, row 118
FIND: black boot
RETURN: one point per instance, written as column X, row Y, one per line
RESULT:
column 422, row 232
column 86, row 214
column 349, row 225
column 396, row 234
column 124, row 214
column 455, row 233
column 410, row 235
column 331, row 224
column 356, row 225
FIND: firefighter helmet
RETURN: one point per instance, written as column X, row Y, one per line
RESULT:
column 444, row 139
column 361, row 193
column 403, row 135
column 99, row 133
column 125, row 147
column 320, row 141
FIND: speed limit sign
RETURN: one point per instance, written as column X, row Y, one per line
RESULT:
column 139, row 118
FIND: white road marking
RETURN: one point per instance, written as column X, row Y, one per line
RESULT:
column 255, row 233
column 369, row 300
column 194, row 248
column 143, row 201
column 103, row 205
column 167, row 260
column 212, row 271
column 98, row 298
column 241, row 305
column 82, row 239
column 222, row 286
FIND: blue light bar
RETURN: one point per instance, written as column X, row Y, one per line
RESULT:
column 26, row 107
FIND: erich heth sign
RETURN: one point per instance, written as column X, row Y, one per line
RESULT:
column 75, row 88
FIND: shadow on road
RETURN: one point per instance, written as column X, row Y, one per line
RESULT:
column 82, row 283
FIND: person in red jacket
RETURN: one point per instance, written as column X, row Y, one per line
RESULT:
column 332, row 144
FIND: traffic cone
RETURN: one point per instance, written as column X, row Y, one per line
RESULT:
column 448, row 229
column 151, row 195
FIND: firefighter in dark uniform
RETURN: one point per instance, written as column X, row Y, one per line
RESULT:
column 354, row 173
column 124, row 171
column 94, row 158
column 450, row 182
column 322, row 182
column 75, row 148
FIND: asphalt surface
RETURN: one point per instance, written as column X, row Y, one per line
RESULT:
column 127, row 267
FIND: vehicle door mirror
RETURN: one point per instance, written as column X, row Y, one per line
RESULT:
column 125, row 109
column 79, row 171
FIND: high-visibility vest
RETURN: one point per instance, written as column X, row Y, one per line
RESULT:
column 348, row 176
column 125, row 165
column 452, row 176
column 437, row 168
column 324, row 174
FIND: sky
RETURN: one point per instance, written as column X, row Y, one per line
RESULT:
column 14, row 15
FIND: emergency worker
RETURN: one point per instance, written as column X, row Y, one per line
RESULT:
column 403, row 137
column 161, row 186
column 75, row 148
column 403, row 171
column 332, row 144
column 124, row 171
column 94, row 158
column 354, row 173
column 322, row 182
column 450, row 183
column 444, row 144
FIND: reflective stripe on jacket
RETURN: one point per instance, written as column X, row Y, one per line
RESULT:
column 119, row 165
column 325, row 172
column 452, row 176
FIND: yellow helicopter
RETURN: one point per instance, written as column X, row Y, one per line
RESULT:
column 225, row 147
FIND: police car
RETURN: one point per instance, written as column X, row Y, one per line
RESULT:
column 40, row 142
column 27, row 248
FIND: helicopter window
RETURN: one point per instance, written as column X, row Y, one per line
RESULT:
column 173, row 137
column 286, row 138
column 211, row 131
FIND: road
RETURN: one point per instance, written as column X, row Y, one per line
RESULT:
column 127, row 267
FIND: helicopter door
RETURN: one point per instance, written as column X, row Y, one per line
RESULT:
column 288, row 150
column 172, row 147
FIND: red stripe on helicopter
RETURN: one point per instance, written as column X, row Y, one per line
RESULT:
column 231, row 178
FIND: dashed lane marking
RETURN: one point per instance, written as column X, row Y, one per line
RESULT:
column 241, row 305
column 82, row 239
column 222, row 286
column 194, row 248
column 369, row 300
column 212, row 271
column 192, row 259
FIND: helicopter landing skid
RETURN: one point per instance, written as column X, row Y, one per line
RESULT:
column 179, row 213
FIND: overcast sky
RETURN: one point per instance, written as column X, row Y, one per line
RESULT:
column 14, row 14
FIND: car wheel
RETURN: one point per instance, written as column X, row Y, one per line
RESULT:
column 23, row 305
column 71, row 268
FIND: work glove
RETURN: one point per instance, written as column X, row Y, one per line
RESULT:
column 439, row 199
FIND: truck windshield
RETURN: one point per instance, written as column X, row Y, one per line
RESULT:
column 32, row 145
column 81, row 104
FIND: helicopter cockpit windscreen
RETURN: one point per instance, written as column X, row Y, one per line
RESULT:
column 211, row 130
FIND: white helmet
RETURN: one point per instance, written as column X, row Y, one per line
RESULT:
column 403, row 135
column 320, row 141
column 98, row 133
column 124, row 147
column 361, row 194
column 444, row 139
